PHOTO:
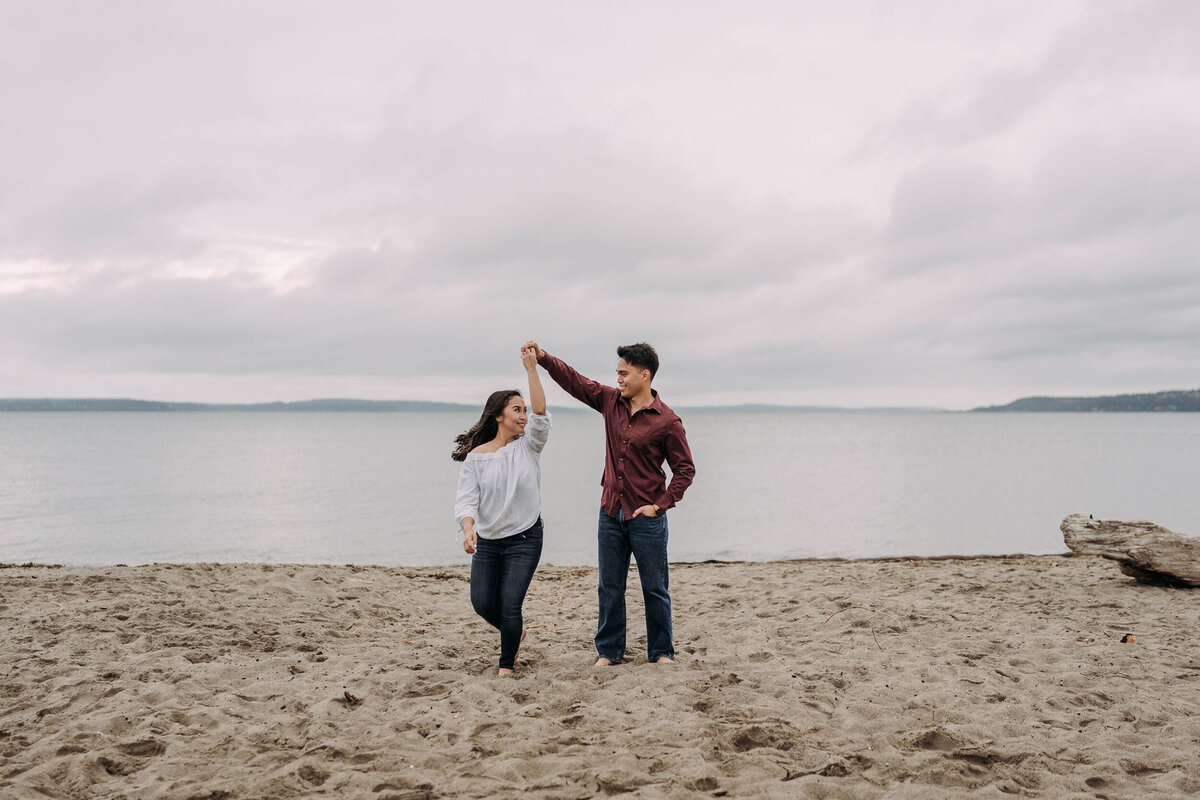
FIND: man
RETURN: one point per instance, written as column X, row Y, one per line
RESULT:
column 641, row 432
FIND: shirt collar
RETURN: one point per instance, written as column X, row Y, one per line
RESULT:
column 654, row 405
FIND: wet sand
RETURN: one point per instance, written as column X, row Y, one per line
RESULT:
column 867, row 679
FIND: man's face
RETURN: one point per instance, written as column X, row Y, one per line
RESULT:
column 630, row 379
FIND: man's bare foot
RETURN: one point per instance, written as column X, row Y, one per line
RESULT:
column 603, row 662
column 502, row 671
column 664, row 660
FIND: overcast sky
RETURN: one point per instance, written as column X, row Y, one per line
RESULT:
column 854, row 203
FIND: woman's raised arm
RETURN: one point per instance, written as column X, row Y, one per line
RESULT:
column 537, row 395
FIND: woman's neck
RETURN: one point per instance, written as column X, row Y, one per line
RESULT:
column 503, row 438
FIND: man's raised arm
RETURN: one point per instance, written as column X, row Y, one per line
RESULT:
column 583, row 389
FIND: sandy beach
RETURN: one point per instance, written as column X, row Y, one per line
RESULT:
column 928, row 678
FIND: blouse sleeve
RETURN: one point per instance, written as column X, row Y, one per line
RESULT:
column 539, row 431
column 466, row 503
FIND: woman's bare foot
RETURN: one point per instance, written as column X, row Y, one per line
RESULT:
column 603, row 662
column 517, row 654
column 502, row 671
column 665, row 660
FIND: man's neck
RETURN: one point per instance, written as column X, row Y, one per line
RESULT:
column 640, row 401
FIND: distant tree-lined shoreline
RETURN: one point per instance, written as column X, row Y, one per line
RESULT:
column 119, row 404
column 1180, row 400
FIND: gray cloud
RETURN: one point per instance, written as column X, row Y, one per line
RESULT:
column 115, row 219
column 1093, row 63
column 290, row 199
column 1130, row 175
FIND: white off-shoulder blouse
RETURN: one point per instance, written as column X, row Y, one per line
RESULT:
column 502, row 491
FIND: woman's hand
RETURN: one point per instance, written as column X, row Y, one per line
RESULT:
column 469, row 539
column 530, row 353
column 537, row 350
column 529, row 358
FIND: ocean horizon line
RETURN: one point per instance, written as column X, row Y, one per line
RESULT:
column 353, row 405
column 1174, row 400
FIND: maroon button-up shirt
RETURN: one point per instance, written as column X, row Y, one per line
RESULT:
column 636, row 445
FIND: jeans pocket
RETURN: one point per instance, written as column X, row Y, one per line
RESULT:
column 648, row 525
column 533, row 533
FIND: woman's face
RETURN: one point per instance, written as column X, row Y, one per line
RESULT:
column 512, row 421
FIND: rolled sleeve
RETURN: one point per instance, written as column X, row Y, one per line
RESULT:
column 538, row 432
column 466, row 502
column 679, row 459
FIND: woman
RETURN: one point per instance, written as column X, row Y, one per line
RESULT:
column 499, row 505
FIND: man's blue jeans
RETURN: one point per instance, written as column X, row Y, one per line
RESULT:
column 501, row 571
column 645, row 538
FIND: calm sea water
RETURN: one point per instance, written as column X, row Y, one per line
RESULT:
column 132, row 488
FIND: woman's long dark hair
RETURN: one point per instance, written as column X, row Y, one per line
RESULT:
column 484, row 430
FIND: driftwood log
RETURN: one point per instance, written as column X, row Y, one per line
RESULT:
column 1148, row 552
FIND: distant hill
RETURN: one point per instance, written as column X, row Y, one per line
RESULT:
column 1187, row 400
column 1159, row 401
column 353, row 406
column 328, row 405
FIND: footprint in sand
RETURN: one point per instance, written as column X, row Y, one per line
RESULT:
column 936, row 739
column 143, row 748
column 310, row 774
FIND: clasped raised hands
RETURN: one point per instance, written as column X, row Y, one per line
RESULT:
column 530, row 354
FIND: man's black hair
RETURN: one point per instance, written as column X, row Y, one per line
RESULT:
column 640, row 355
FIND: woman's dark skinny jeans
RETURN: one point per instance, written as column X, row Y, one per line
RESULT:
column 501, row 571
